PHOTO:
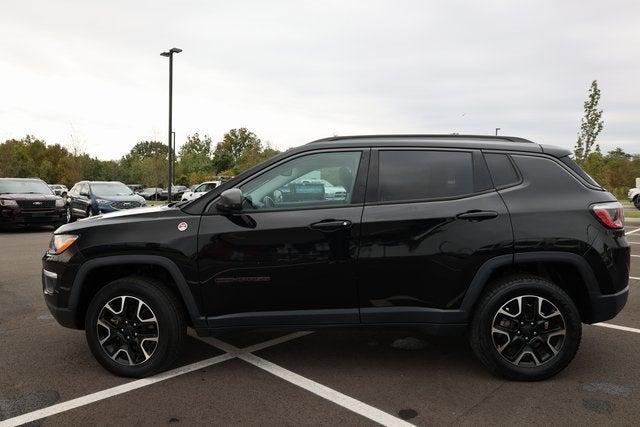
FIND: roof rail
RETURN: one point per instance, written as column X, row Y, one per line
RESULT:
column 426, row 136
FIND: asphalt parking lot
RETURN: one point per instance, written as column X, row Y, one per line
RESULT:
column 49, row 377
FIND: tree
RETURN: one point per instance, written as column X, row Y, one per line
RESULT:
column 234, row 144
column 239, row 150
column 590, row 126
column 195, row 157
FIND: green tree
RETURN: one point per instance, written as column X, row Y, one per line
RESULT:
column 194, row 157
column 239, row 150
column 590, row 126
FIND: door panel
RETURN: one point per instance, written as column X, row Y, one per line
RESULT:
column 265, row 267
column 417, row 257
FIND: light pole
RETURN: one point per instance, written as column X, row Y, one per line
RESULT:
column 169, row 54
column 497, row 129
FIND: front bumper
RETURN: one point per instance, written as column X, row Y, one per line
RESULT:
column 26, row 217
column 58, row 275
column 606, row 307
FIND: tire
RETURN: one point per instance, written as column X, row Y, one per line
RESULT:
column 135, row 357
column 636, row 202
column 529, row 346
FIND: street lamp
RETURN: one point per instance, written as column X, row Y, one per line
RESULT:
column 169, row 55
column 497, row 129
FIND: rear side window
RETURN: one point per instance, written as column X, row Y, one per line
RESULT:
column 423, row 174
column 567, row 160
column 502, row 170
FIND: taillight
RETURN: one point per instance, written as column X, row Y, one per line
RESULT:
column 611, row 215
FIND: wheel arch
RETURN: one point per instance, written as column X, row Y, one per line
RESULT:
column 569, row 271
column 97, row 272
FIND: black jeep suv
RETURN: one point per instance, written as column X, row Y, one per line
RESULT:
column 500, row 237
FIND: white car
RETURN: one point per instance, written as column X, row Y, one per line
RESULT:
column 200, row 190
column 634, row 194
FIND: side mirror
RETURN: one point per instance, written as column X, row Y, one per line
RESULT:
column 230, row 200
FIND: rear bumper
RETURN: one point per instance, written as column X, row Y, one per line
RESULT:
column 606, row 307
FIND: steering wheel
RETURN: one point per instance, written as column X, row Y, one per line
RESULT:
column 268, row 202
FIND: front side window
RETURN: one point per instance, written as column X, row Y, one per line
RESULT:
column 406, row 175
column 314, row 180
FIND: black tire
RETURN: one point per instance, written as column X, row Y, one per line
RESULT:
column 535, row 363
column 636, row 202
column 171, row 325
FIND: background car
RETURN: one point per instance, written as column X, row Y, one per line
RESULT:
column 59, row 190
column 634, row 194
column 176, row 193
column 151, row 193
column 88, row 198
column 199, row 190
column 29, row 201
column 136, row 188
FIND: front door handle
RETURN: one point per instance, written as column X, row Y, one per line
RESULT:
column 477, row 215
column 329, row 225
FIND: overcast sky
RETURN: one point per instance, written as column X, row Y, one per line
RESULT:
column 294, row 71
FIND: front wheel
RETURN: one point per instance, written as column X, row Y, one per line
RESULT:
column 135, row 327
column 636, row 202
column 526, row 328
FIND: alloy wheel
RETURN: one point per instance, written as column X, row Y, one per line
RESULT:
column 528, row 331
column 127, row 330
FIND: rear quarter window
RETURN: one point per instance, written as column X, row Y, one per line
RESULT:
column 568, row 161
column 502, row 171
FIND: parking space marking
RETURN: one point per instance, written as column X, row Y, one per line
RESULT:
column 633, row 231
column 134, row 385
column 110, row 392
column 637, row 256
column 634, row 278
column 621, row 328
column 314, row 387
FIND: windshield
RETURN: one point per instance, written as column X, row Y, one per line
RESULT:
column 110, row 189
column 24, row 187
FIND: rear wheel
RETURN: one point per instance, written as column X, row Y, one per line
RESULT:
column 135, row 327
column 636, row 202
column 526, row 328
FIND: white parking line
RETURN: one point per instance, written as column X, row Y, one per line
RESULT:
column 634, row 278
column 314, row 387
column 621, row 328
column 637, row 256
column 133, row 385
column 633, row 231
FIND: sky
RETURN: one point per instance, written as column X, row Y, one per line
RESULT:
column 89, row 75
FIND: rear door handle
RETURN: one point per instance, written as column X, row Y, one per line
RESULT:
column 477, row 215
column 329, row 225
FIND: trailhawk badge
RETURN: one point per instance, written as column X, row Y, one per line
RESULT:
column 183, row 226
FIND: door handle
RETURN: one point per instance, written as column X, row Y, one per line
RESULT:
column 329, row 225
column 477, row 215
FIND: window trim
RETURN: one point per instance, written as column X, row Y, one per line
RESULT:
column 359, row 185
column 373, row 187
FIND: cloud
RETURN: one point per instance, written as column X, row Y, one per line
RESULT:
column 293, row 71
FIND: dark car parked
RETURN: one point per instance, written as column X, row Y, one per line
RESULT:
column 176, row 193
column 88, row 198
column 498, row 237
column 29, row 201
column 151, row 193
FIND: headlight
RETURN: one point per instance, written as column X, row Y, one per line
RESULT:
column 61, row 242
column 59, row 203
column 103, row 202
column 8, row 202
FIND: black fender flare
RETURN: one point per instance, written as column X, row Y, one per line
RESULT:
column 483, row 274
column 166, row 263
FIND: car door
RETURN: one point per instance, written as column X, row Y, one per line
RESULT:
column 283, row 259
column 431, row 219
column 82, row 201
